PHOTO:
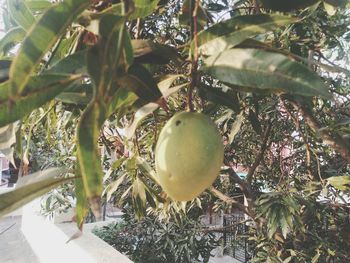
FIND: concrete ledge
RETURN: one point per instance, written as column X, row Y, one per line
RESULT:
column 48, row 241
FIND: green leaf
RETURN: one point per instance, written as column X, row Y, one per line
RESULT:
column 44, row 182
column 139, row 116
column 227, row 34
column 20, row 13
column 265, row 71
column 252, row 43
column 88, row 132
column 140, row 9
column 141, row 82
column 149, row 52
column 146, row 168
column 284, row 223
column 287, row 5
column 331, row 10
column 10, row 39
column 65, row 46
column 38, row 6
column 103, row 58
column 340, row 182
column 143, row 8
column 316, row 257
column 166, row 87
column 337, row 3
column 226, row 98
column 236, row 126
column 39, row 90
column 72, row 64
column 43, row 36
column 185, row 15
column 82, row 205
column 122, row 98
column 254, row 121
column 74, row 98
column 112, row 187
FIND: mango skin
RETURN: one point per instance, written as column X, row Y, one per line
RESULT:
column 188, row 156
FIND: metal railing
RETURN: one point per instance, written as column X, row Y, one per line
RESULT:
column 235, row 238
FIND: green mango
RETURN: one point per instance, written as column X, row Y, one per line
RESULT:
column 188, row 156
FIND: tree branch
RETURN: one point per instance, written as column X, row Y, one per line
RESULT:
column 334, row 140
column 260, row 155
column 230, row 201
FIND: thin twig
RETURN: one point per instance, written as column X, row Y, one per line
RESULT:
column 306, row 143
column 229, row 200
column 260, row 155
column 194, row 65
column 334, row 140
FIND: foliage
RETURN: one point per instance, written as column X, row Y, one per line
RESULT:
column 89, row 84
column 154, row 240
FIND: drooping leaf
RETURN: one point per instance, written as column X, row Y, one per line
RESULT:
column 72, row 64
column 88, row 152
column 254, row 121
column 76, row 93
column 252, row 43
column 143, row 8
column 39, row 90
column 139, row 80
column 337, row 3
column 10, row 39
column 340, row 182
column 82, row 205
column 139, row 9
column 44, row 34
column 74, row 98
column 65, row 46
column 226, row 98
column 23, row 194
column 263, row 70
column 38, row 5
column 122, row 98
column 113, row 186
column 147, row 51
column 236, row 126
column 20, row 13
column 331, row 10
column 166, row 85
column 287, row 5
column 140, row 115
column 146, row 168
column 103, row 58
column 227, row 34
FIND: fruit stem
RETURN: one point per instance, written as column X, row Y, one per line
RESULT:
column 194, row 57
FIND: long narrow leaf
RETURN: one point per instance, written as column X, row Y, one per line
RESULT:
column 11, row 38
column 88, row 152
column 82, row 205
column 13, row 200
column 20, row 13
column 227, row 34
column 265, row 71
column 39, row 90
column 42, row 36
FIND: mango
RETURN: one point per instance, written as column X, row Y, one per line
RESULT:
column 188, row 156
